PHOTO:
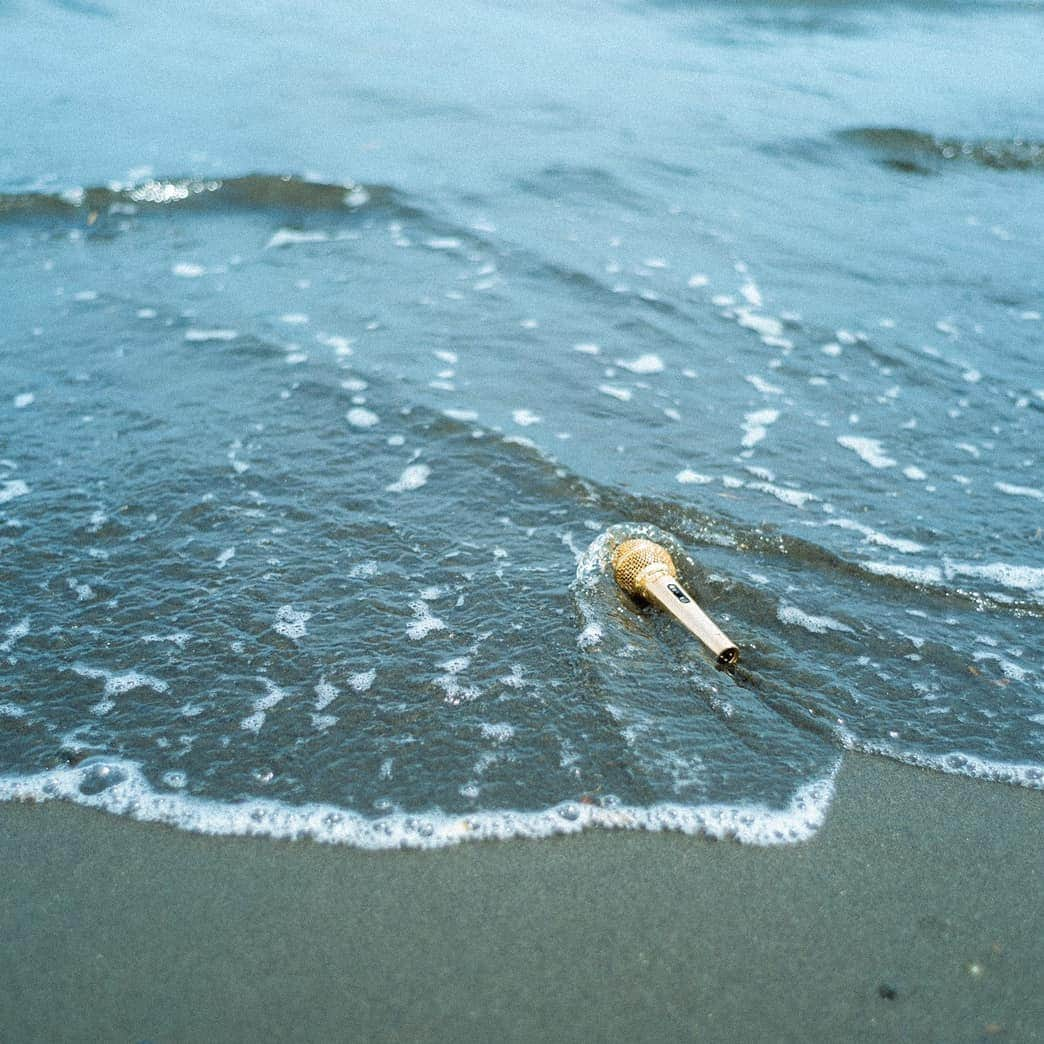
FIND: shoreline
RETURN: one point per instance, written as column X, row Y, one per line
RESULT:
column 912, row 914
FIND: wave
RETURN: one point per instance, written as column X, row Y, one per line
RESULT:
column 918, row 152
column 955, row 763
column 248, row 192
column 120, row 787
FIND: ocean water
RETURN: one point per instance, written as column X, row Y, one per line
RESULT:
column 339, row 345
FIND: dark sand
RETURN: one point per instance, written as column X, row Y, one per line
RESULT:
column 914, row 915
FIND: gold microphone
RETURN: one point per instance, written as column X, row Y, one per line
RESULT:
column 645, row 570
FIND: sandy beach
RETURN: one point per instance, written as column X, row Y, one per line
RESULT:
column 913, row 915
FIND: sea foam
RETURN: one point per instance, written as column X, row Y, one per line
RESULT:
column 121, row 788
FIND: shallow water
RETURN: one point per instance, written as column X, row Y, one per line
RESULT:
column 337, row 351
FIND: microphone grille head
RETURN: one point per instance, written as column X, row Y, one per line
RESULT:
column 632, row 561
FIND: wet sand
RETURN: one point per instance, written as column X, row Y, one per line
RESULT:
column 915, row 915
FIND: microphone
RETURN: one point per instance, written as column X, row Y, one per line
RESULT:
column 645, row 569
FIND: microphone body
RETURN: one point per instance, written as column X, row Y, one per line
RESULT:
column 645, row 569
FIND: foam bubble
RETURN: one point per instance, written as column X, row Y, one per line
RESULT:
column 14, row 633
column 755, row 426
column 360, row 417
column 356, row 196
column 199, row 336
column 499, row 732
column 930, row 575
column 290, row 237
column 590, row 636
column 454, row 692
column 118, row 683
column 84, row 592
column 290, row 623
column 872, row 536
column 178, row 638
column 225, row 557
column 361, row 681
column 325, row 694
column 341, row 345
column 1019, row 491
column 751, row 294
column 648, row 363
column 794, row 497
column 765, row 325
column 273, row 697
column 23, row 400
column 188, row 270
column 253, row 722
column 412, row 477
column 763, row 386
column 1008, row 669
column 689, row 477
column 869, row 450
column 12, row 488
column 790, row 614
column 524, row 418
column 1018, row 577
column 425, row 621
column 464, row 416
column 515, row 679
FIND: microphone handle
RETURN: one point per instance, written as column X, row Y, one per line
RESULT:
column 669, row 595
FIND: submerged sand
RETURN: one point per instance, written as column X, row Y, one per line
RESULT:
column 913, row 915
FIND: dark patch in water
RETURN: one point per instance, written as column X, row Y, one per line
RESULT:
column 916, row 152
column 84, row 7
column 563, row 181
column 249, row 192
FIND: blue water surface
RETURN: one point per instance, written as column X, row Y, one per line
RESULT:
column 341, row 343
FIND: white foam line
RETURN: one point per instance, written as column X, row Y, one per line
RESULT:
column 1022, row 578
column 794, row 497
column 868, row 450
column 1019, row 491
column 130, row 793
column 791, row 614
column 199, row 336
column 648, row 363
column 955, row 763
column 288, row 236
column 872, row 536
